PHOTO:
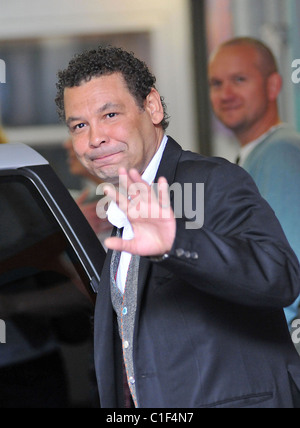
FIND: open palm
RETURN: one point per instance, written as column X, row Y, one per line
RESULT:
column 149, row 212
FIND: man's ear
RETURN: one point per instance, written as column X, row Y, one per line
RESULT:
column 154, row 107
column 274, row 86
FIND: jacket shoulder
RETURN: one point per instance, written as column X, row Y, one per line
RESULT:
column 188, row 167
column 202, row 167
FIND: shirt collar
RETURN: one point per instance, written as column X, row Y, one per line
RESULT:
column 248, row 148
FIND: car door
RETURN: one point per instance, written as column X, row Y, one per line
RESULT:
column 41, row 227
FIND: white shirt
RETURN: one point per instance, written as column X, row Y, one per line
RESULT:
column 118, row 218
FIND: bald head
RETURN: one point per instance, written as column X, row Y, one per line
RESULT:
column 265, row 60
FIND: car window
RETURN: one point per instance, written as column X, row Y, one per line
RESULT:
column 31, row 241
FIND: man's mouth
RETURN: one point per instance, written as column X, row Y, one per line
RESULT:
column 230, row 107
column 104, row 158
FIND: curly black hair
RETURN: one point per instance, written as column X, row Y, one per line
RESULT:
column 105, row 61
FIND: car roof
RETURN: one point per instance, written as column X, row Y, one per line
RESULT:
column 17, row 155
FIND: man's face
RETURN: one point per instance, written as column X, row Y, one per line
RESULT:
column 108, row 129
column 238, row 89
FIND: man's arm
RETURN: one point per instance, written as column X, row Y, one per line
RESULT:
column 240, row 254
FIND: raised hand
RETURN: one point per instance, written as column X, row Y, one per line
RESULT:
column 151, row 216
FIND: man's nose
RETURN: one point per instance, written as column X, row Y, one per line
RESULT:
column 227, row 91
column 97, row 136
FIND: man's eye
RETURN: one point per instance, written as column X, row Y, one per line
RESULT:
column 111, row 115
column 215, row 84
column 240, row 79
column 78, row 126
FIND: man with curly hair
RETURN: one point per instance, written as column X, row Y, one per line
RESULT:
column 193, row 316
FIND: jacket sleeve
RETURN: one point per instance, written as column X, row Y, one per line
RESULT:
column 240, row 254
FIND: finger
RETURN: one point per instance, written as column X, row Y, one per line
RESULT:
column 123, row 181
column 134, row 189
column 117, row 196
column 110, row 191
column 126, row 188
column 138, row 186
column 164, row 195
column 135, row 176
column 118, row 244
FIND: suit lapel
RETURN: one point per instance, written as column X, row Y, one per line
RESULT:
column 169, row 161
column 105, row 274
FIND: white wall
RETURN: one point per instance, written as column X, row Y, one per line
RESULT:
column 167, row 21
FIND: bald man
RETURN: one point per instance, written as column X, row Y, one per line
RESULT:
column 244, row 88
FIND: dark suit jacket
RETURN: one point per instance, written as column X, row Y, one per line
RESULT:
column 210, row 329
